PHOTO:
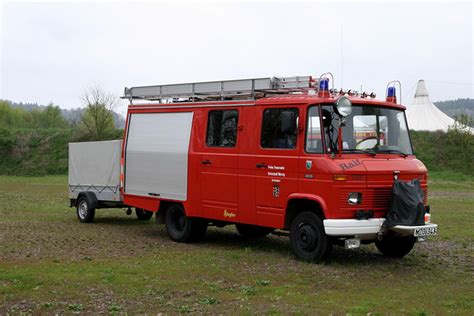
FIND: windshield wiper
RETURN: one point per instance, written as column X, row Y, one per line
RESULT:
column 392, row 151
column 361, row 151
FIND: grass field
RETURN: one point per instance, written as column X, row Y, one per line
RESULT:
column 51, row 263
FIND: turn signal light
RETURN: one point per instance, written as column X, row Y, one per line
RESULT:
column 339, row 177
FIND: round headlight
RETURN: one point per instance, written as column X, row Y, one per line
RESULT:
column 343, row 106
column 354, row 198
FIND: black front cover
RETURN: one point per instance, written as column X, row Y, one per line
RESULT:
column 406, row 204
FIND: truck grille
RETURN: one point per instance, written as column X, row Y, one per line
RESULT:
column 376, row 199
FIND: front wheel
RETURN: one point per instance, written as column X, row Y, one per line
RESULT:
column 182, row 228
column 394, row 246
column 142, row 214
column 85, row 211
column 308, row 239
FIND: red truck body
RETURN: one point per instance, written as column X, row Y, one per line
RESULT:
column 270, row 155
column 233, row 188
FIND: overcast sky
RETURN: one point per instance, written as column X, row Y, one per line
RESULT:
column 52, row 51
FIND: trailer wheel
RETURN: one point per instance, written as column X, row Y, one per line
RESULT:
column 142, row 214
column 182, row 228
column 252, row 231
column 395, row 247
column 308, row 239
column 85, row 211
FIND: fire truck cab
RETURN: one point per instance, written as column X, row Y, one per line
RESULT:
column 272, row 155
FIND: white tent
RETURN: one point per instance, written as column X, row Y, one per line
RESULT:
column 423, row 115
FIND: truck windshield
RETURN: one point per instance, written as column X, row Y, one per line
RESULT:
column 369, row 129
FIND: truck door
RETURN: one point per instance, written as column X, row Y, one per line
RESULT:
column 219, row 165
column 276, row 163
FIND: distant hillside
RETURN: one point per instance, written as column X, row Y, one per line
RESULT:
column 72, row 115
column 457, row 107
column 34, row 139
column 450, row 107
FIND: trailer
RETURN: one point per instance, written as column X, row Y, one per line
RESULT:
column 282, row 155
column 94, row 179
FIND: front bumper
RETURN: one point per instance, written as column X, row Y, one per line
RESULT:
column 367, row 228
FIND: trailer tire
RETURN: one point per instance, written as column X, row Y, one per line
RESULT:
column 85, row 209
column 252, row 231
column 308, row 239
column 395, row 247
column 182, row 228
column 142, row 214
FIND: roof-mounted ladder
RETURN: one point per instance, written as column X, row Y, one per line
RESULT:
column 221, row 90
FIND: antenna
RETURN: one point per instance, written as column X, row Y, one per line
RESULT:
column 342, row 56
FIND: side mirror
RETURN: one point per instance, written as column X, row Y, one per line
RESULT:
column 288, row 122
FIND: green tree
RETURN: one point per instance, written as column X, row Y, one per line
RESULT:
column 461, row 141
column 7, row 142
column 11, row 117
column 49, row 117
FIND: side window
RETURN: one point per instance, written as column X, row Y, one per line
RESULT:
column 222, row 128
column 314, row 143
column 279, row 128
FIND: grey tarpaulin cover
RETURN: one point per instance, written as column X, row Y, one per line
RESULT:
column 95, row 166
column 406, row 204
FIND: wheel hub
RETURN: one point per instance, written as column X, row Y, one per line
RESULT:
column 178, row 221
column 181, row 222
column 307, row 237
column 83, row 210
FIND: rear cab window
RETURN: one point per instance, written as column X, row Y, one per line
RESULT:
column 222, row 128
column 279, row 128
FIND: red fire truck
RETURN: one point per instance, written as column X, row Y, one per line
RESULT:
column 288, row 156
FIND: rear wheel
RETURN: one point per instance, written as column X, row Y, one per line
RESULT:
column 308, row 239
column 394, row 246
column 182, row 228
column 252, row 231
column 142, row 214
column 85, row 211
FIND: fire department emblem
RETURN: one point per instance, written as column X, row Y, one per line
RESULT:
column 309, row 164
column 276, row 191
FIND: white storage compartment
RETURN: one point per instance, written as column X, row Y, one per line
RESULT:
column 156, row 155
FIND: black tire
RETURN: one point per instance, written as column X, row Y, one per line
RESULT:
column 182, row 228
column 394, row 246
column 252, row 231
column 84, row 210
column 142, row 214
column 308, row 239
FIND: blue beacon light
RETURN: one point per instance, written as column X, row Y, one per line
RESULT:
column 391, row 92
column 324, row 85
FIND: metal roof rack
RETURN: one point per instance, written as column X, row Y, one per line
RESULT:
column 221, row 90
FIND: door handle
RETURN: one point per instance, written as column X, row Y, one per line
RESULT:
column 262, row 165
column 206, row 162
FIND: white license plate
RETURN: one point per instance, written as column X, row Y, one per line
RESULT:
column 425, row 231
